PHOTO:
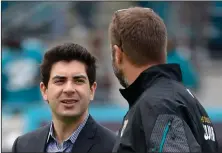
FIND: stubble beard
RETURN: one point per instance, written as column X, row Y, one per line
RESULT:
column 120, row 76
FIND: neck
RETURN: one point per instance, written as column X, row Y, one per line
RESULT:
column 132, row 72
column 64, row 128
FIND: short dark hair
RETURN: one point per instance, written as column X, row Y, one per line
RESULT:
column 68, row 52
column 140, row 33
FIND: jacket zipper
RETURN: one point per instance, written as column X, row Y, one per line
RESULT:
column 166, row 130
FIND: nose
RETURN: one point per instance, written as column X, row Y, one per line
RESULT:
column 69, row 88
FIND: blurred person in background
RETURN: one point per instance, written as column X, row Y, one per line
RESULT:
column 161, row 8
column 163, row 115
column 190, row 77
column 68, row 74
column 20, row 73
column 87, row 29
column 105, row 83
column 84, row 13
column 215, row 36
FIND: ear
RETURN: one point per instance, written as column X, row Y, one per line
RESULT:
column 43, row 91
column 93, row 90
column 118, row 54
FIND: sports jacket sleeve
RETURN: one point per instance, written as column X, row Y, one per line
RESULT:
column 165, row 130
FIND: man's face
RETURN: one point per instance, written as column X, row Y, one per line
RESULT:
column 68, row 92
column 118, row 71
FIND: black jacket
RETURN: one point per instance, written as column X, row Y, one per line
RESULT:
column 164, row 116
column 92, row 138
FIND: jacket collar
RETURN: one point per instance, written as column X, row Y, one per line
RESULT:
column 74, row 135
column 148, row 77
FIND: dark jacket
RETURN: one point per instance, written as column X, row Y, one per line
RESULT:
column 92, row 138
column 164, row 116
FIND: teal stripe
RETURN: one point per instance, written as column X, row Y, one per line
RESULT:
column 108, row 113
column 215, row 114
column 166, row 129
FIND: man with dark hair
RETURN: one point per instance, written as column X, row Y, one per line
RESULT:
column 68, row 74
column 163, row 115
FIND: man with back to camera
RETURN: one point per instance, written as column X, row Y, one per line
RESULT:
column 68, row 85
column 163, row 115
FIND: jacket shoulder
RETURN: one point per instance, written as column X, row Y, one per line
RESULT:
column 27, row 141
column 163, row 95
column 34, row 133
column 167, row 88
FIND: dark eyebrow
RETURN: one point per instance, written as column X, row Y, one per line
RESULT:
column 80, row 77
column 59, row 77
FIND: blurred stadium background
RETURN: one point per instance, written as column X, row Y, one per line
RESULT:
column 30, row 28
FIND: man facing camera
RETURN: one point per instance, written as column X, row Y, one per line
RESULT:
column 68, row 74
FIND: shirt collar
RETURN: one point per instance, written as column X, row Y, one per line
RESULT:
column 74, row 135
